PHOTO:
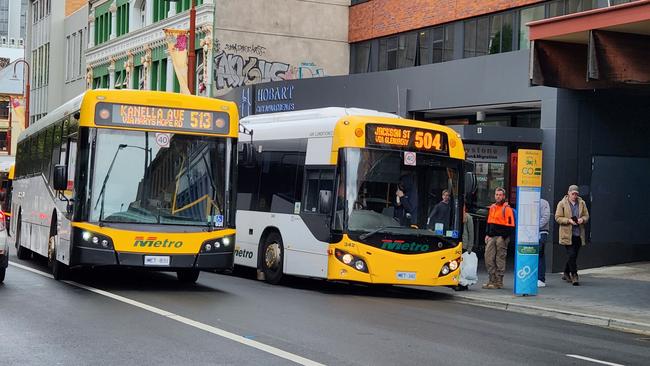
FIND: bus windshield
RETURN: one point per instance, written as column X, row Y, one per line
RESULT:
column 161, row 178
column 397, row 192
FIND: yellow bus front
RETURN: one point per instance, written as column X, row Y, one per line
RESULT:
column 398, row 204
column 152, row 181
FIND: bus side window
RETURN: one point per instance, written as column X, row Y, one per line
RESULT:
column 317, row 181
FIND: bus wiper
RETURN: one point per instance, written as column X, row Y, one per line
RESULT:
column 102, row 192
column 371, row 233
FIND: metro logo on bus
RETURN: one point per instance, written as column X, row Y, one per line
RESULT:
column 403, row 246
column 406, row 138
column 152, row 241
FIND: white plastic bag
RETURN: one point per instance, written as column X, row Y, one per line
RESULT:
column 468, row 269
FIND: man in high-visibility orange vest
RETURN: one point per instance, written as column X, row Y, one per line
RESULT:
column 500, row 227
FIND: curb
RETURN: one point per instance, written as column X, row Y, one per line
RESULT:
column 575, row 317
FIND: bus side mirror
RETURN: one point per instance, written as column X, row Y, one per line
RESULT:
column 60, row 177
column 246, row 154
column 325, row 201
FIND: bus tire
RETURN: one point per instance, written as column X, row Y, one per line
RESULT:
column 273, row 258
column 188, row 275
column 21, row 252
column 59, row 270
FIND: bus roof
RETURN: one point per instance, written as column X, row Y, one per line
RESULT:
column 303, row 124
column 157, row 98
column 67, row 108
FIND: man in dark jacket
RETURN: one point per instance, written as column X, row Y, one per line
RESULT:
column 406, row 202
column 500, row 227
column 441, row 215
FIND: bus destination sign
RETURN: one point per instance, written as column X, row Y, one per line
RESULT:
column 406, row 138
column 161, row 118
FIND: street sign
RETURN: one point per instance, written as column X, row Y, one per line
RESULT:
column 529, row 182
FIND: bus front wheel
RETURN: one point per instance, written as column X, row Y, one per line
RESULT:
column 273, row 258
column 188, row 275
column 59, row 270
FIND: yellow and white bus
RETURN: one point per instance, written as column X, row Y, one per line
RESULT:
column 317, row 198
column 129, row 178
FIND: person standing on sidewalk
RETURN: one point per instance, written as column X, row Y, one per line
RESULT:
column 572, row 215
column 500, row 227
column 544, row 218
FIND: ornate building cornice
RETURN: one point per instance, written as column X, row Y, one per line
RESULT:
column 151, row 36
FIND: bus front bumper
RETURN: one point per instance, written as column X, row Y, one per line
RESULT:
column 92, row 257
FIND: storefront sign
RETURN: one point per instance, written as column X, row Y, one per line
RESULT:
column 274, row 99
column 486, row 153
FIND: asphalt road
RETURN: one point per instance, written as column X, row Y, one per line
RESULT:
column 148, row 318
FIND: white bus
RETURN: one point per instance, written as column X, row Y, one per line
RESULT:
column 316, row 197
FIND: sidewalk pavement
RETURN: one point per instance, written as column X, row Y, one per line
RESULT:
column 616, row 297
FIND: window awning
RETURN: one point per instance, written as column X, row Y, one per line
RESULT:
column 601, row 48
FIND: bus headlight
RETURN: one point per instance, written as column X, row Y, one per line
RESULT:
column 217, row 245
column 360, row 265
column 89, row 239
column 453, row 265
column 350, row 260
column 445, row 270
column 449, row 267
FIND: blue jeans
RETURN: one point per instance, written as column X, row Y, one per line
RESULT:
column 541, row 268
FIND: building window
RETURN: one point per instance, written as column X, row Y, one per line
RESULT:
column 4, row 109
column 526, row 16
column 443, row 43
column 68, row 60
column 80, row 53
column 476, row 37
column 122, row 19
column 397, row 52
column 160, row 9
column 501, row 33
column 361, row 57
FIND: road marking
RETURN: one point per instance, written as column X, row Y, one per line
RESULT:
column 181, row 319
column 594, row 360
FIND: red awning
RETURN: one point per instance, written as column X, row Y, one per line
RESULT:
column 601, row 48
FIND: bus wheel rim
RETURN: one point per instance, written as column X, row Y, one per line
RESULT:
column 50, row 249
column 272, row 256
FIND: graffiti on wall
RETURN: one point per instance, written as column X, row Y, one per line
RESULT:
column 236, row 65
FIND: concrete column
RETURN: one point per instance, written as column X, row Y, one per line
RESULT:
column 111, row 75
column 133, row 16
column 91, row 29
column 113, row 10
column 208, row 72
column 149, row 10
column 170, row 75
column 172, row 10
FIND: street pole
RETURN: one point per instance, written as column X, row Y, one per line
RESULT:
column 25, row 92
column 191, row 57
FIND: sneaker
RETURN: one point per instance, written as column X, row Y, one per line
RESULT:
column 489, row 286
column 540, row 283
column 566, row 277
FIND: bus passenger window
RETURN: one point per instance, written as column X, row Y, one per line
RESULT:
column 317, row 180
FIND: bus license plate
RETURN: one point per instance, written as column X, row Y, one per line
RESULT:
column 409, row 276
column 156, row 260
